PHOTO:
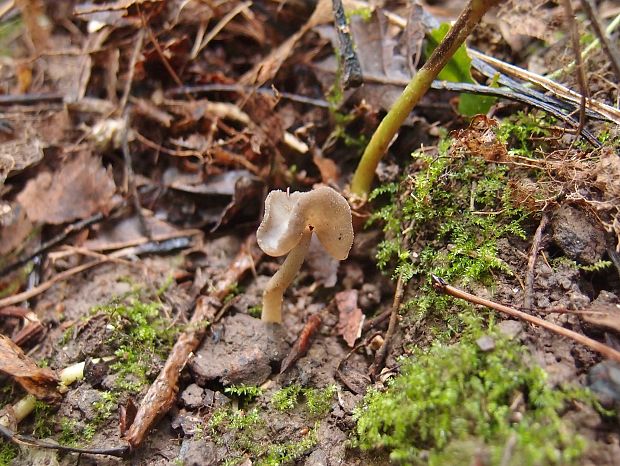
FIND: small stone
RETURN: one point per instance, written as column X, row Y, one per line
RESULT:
column 578, row 236
column 198, row 452
column 510, row 328
column 214, row 400
column 486, row 343
column 187, row 423
column 604, row 381
column 192, row 397
column 244, row 352
column 369, row 297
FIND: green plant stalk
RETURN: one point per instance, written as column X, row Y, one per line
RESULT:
column 417, row 87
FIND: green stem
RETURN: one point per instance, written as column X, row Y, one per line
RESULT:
column 417, row 87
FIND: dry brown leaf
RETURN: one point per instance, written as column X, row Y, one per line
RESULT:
column 38, row 381
column 350, row 316
column 327, row 167
column 481, row 140
column 267, row 68
column 79, row 189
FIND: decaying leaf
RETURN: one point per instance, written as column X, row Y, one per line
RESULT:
column 269, row 66
column 14, row 227
column 323, row 267
column 79, row 189
column 38, row 381
column 17, row 155
column 350, row 316
column 480, row 139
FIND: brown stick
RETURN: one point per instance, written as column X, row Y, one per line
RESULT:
column 608, row 46
column 161, row 395
column 581, row 76
column 597, row 346
column 528, row 293
column 31, row 293
column 381, row 354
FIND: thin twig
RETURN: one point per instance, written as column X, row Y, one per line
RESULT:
column 608, row 47
column 68, row 230
column 31, row 99
column 597, row 346
column 611, row 27
column 382, row 352
column 33, row 442
column 581, row 76
column 135, row 53
column 227, row 18
column 37, row 290
column 528, row 292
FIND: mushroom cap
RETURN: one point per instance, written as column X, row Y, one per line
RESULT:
column 323, row 209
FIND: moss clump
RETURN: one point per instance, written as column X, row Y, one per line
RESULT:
column 446, row 219
column 318, row 400
column 452, row 395
column 244, row 393
column 286, row 398
column 288, row 452
column 141, row 336
column 8, row 452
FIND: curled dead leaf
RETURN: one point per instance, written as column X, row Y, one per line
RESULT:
column 38, row 381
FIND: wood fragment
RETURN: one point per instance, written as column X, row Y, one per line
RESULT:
column 162, row 393
column 441, row 286
column 302, row 345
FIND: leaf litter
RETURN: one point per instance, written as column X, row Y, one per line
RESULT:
column 203, row 158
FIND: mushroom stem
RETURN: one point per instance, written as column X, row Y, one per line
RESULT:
column 274, row 292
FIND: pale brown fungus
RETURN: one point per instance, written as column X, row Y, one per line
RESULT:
column 287, row 227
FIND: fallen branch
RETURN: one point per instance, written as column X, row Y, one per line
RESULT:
column 161, row 395
column 441, row 286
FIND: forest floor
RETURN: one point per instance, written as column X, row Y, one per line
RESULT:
column 138, row 141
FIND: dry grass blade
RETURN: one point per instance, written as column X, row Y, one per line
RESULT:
column 611, row 113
